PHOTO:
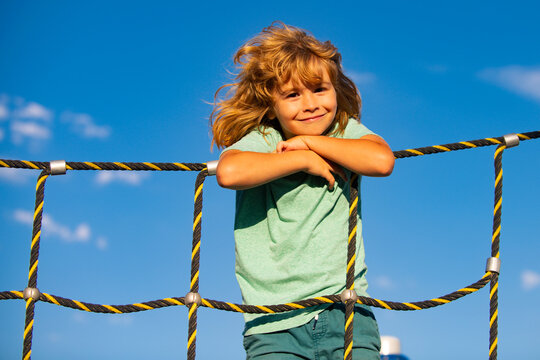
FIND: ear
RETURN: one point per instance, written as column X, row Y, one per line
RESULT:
column 270, row 114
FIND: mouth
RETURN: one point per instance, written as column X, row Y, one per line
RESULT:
column 312, row 118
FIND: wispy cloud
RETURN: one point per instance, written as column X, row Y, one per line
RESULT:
column 33, row 110
column 85, row 126
column 518, row 79
column 28, row 123
column 384, row 282
column 4, row 112
column 81, row 233
column 126, row 177
column 102, row 243
column 50, row 227
column 21, row 130
column 361, row 78
column 530, row 280
column 16, row 176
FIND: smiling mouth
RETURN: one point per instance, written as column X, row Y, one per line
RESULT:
column 312, row 117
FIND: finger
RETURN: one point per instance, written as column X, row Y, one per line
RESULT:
column 331, row 181
column 281, row 147
column 337, row 169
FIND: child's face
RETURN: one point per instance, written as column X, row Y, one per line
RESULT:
column 305, row 110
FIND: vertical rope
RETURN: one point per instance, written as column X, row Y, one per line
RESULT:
column 351, row 258
column 195, row 258
column 495, row 242
column 33, row 267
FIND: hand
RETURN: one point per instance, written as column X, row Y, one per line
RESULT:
column 319, row 166
column 294, row 143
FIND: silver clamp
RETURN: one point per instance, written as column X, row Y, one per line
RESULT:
column 493, row 264
column 32, row 293
column 192, row 298
column 511, row 140
column 212, row 167
column 58, row 167
column 347, row 295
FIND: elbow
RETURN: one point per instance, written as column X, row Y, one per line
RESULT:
column 227, row 176
column 385, row 165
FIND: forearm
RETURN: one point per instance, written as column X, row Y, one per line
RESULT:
column 240, row 170
column 369, row 155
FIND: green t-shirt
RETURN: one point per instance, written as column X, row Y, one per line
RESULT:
column 291, row 238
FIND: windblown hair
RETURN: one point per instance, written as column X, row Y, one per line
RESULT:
column 277, row 55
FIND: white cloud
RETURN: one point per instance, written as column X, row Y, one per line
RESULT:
column 50, row 227
column 16, row 176
column 102, row 243
column 127, row 177
column 519, row 79
column 33, row 110
column 4, row 112
column 361, row 78
column 530, row 280
column 84, row 125
column 383, row 282
column 23, row 216
column 23, row 129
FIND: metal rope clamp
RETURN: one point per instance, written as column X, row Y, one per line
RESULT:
column 31, row 293
column 58, row 167
column 212, row 167
column 511, row 140
column 493, row 265
column 192, row 298
column 348, row 295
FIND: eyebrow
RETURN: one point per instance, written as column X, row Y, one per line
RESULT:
column 287, row 89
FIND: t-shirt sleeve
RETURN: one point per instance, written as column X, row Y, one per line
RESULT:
column 257, row 142
column 355, row 130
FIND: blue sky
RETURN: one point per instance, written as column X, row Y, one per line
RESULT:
column 108, row 81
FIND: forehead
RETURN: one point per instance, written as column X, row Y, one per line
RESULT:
column 308, row 75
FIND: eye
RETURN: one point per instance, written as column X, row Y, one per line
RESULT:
column 319, row 89
column 291, row 95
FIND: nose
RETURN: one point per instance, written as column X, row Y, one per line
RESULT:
column 310, row 103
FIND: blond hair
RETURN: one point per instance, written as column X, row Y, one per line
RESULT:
column 279, row 54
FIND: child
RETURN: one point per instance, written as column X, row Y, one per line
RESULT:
column 292, row 136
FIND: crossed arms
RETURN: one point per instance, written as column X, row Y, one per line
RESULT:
column 317, row 155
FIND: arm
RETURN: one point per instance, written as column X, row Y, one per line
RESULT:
column 244, row 169
column 370, row 155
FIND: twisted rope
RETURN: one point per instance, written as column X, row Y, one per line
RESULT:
column 194, row 298
column 195, row 258
column 351, row 258
column 495, row 243
column 252, row 309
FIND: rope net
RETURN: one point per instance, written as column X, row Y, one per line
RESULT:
column 193, row 299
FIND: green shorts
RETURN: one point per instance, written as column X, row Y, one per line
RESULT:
column 319, row 339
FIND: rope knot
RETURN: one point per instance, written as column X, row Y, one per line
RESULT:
column 348, row 295
column 493, row 265
column 31, row 293
column 193, row 298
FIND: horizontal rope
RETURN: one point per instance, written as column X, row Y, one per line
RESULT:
column 252, row 309
column 471, row 144
column 118, row 166
column 147, row 166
